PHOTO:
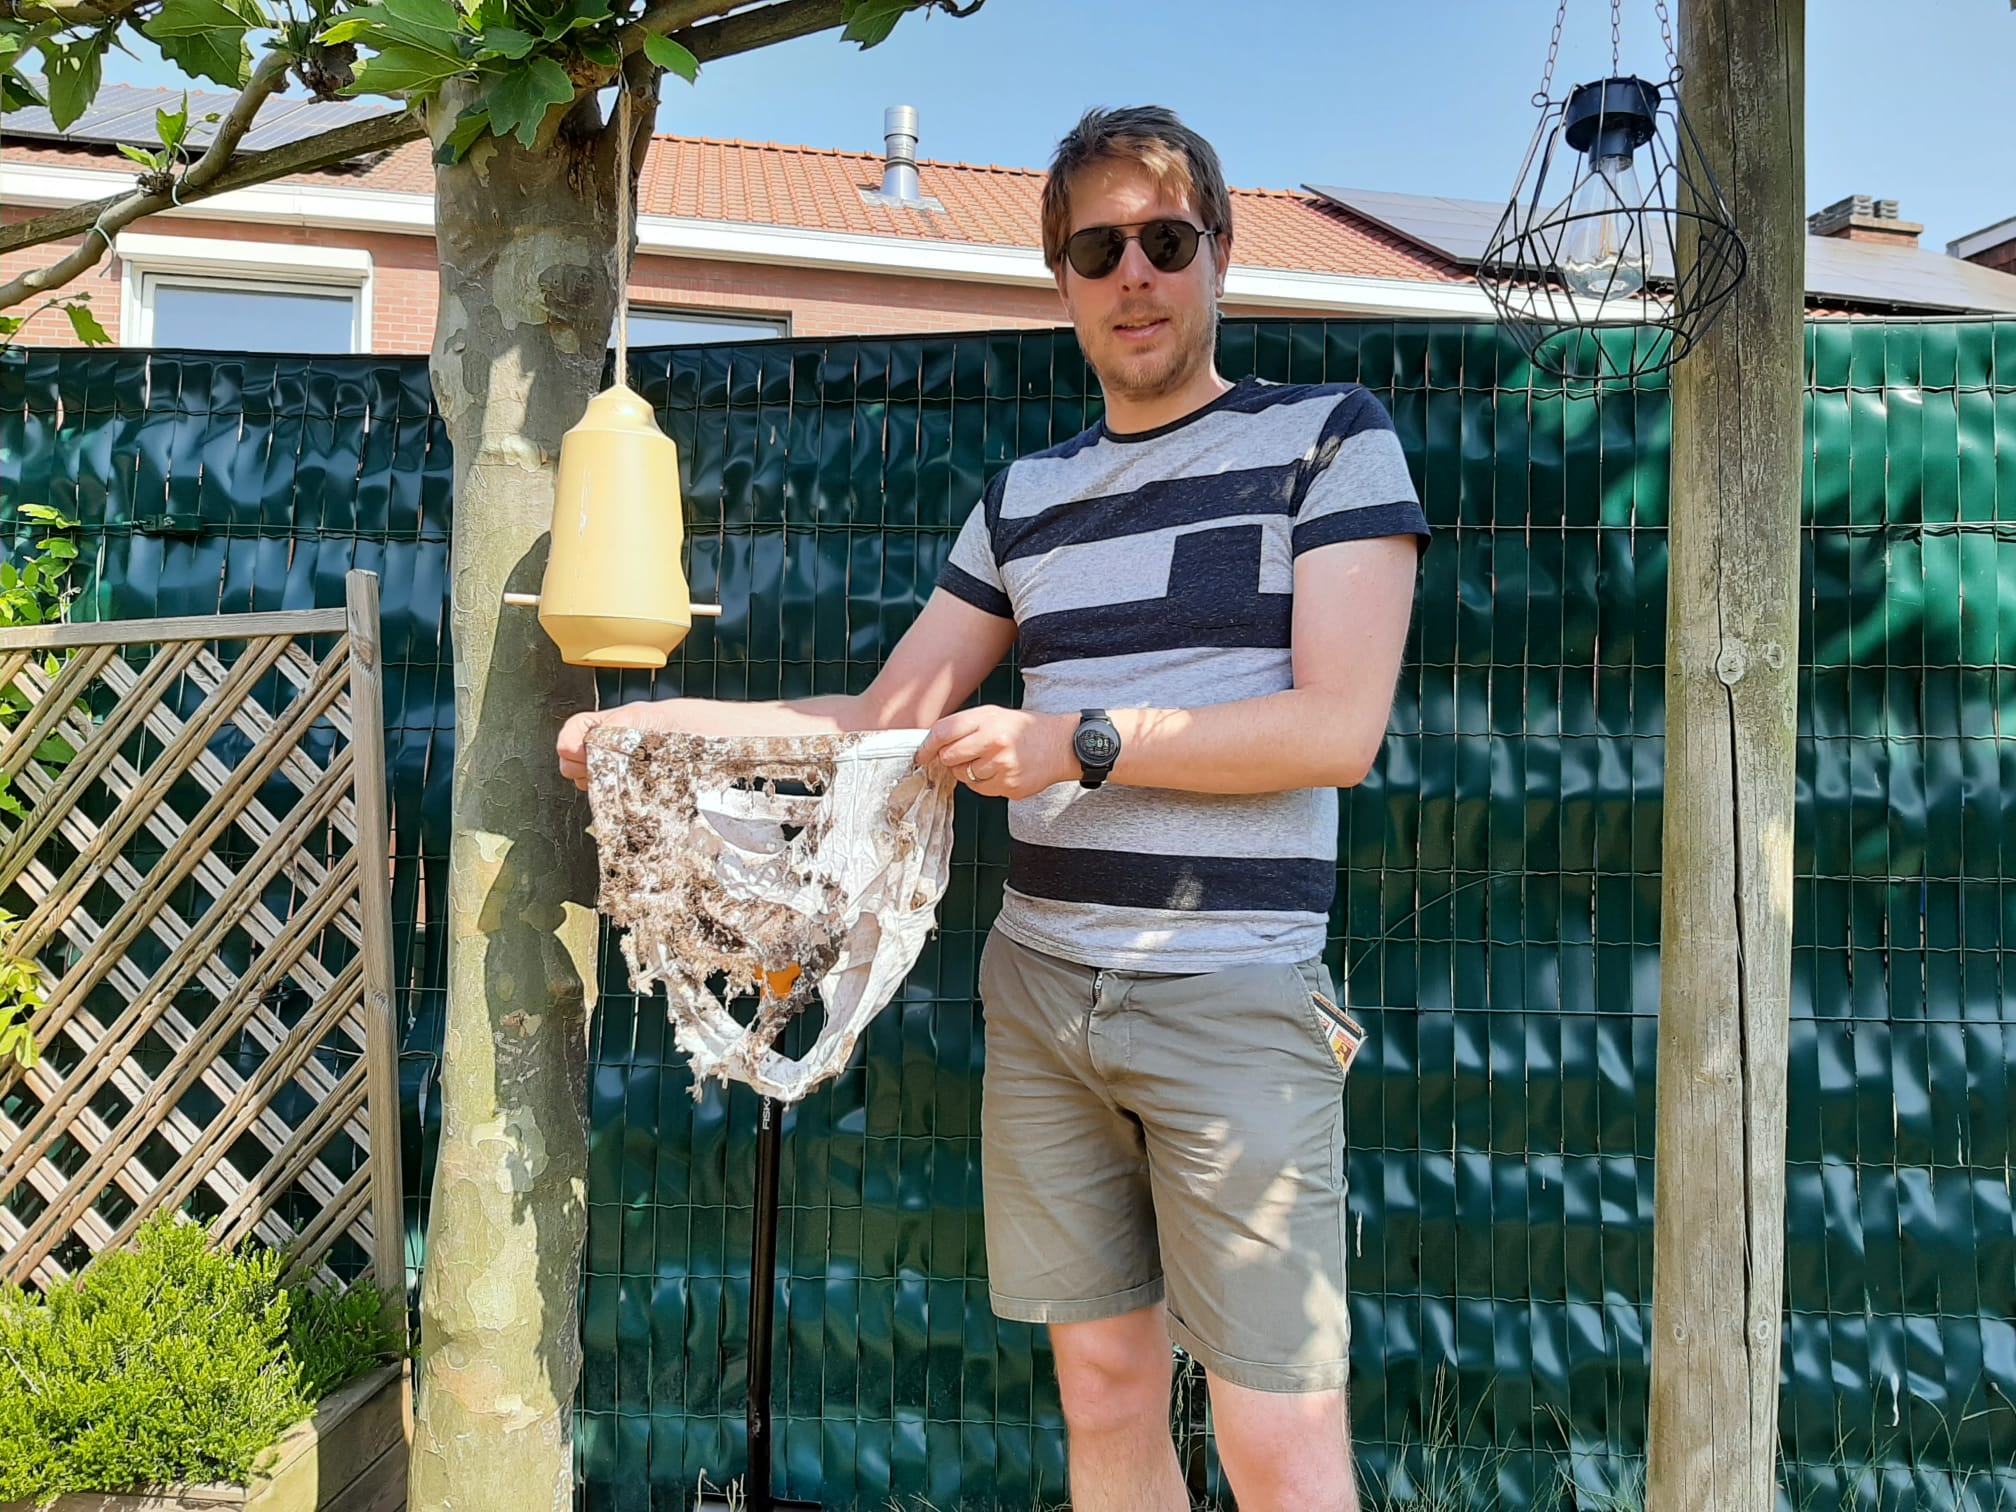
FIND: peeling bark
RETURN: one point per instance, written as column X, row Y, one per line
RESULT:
column 527, row 243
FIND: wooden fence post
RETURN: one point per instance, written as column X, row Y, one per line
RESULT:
column 1732, row 639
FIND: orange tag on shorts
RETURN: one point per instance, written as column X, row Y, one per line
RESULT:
column 1343, row 1032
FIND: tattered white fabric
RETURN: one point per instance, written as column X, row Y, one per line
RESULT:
column 792, row 866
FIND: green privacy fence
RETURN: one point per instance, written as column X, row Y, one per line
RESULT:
column 1497, row 926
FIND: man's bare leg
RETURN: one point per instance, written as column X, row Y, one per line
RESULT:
column 1114, row 1377
column 1283, row 1452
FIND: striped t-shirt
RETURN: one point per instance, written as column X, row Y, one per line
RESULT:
column 1156, row 570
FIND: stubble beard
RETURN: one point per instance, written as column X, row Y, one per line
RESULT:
column 1156, row 376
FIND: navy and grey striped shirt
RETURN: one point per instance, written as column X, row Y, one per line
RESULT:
column 1156, row 570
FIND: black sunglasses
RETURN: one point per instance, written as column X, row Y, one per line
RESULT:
column 1169, row 246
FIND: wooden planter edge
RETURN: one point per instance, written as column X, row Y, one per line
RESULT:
column 364, row 1429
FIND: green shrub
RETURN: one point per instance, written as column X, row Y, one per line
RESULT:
column 165, row 1362
column 335, row 1337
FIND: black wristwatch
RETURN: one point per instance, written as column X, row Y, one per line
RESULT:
column 1097, row 746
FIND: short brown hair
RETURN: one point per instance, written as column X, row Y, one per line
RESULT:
column 1179, row 160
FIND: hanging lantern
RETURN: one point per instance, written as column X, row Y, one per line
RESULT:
column 1615, row 224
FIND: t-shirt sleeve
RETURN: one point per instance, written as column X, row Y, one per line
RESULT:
column 1357, row 486
column 970, row 572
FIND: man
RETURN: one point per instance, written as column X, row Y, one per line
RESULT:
column 1212, row 588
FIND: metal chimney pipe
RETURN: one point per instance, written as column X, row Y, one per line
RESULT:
column 899, row 161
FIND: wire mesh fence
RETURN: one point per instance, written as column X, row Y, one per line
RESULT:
column 1496, row 927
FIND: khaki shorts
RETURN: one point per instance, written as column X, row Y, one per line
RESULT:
column 1149, row 1137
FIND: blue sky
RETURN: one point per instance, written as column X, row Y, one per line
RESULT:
column 1906, row 99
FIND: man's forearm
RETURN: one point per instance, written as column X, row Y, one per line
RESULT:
column 1300, row 738
column 827, row 715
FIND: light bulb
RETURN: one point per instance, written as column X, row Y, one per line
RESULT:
column 1601, row 258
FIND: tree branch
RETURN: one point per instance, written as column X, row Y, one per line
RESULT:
column 751, row 29
column 266, row 78
column 667, row 16
column 739, row 33
column 221, row 169
column 67, row 13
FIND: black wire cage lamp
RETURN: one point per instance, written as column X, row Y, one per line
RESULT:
column 1617, row 251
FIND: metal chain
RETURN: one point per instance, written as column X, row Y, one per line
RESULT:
column 1616, row 38
column 1666, row 31
column 1553, row 52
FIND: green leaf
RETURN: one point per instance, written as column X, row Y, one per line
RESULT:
column 469, row 126
column 85, row 324
column 871, row 21
column 18, row 1042
column 398, row 69
column 18, row 90
column 66, row 551
column 9, row 324
column 173, row 128
column 519, row 103
column 55, row 751
column 434, row 24
column 506, row 41
column 356, row 24
column 671, row 57
column 577, row 15
column 416, row 26
column 596, row 50
column 142, row 156
column 74, row 72
column 205, row 38
column 18, row 93
column 45, row 513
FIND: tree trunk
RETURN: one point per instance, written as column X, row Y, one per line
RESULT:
column 1732, row 642
column 527, row 242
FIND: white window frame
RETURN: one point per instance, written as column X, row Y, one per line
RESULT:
column 777, row 323
column 146, row 262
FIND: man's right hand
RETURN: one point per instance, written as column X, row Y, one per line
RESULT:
column 573, row 743
column 670, row 714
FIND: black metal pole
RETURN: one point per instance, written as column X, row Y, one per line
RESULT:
column 762, row 1312
column 762, row 1286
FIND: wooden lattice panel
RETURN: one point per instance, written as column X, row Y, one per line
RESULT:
column 201, row 877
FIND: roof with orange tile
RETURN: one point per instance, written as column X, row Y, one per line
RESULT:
column 819, row 189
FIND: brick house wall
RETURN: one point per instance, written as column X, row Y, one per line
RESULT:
column 763, row 187
column 818, row 301
column 2001, row 258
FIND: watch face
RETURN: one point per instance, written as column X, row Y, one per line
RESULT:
column 1097, row 746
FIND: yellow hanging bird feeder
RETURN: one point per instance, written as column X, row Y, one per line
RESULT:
column 615, row 593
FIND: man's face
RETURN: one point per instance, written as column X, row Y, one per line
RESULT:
column 1147, row 333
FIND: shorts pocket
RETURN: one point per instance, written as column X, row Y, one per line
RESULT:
column 1338, row 1035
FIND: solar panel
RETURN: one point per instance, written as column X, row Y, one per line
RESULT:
column 1853, row 272
column 125, row 113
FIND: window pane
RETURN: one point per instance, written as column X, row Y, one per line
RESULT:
column 219, row 319
column 677, row 327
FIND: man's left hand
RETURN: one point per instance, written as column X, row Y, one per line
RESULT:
column 1003, row 753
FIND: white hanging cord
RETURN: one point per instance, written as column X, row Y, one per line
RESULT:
column 622, row 230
